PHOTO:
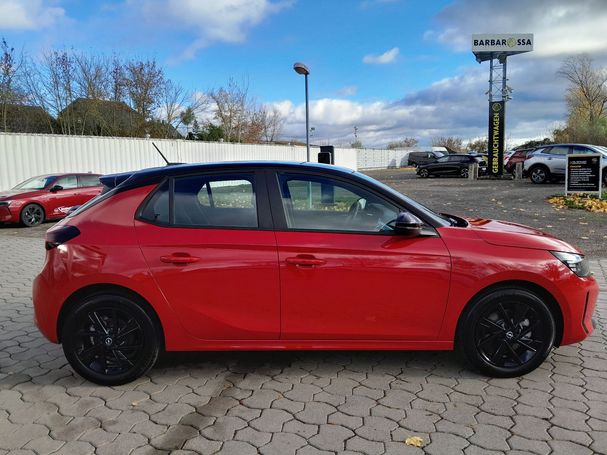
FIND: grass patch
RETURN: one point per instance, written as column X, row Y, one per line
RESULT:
column 589, row 202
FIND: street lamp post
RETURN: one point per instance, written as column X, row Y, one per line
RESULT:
column 300, row 68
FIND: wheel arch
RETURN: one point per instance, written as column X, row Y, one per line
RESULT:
column 536, row 289
column 104, row 288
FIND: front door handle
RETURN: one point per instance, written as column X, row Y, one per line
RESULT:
column 179, row 258
column 305, row 261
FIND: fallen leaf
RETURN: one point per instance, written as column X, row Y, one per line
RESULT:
column 414, row 441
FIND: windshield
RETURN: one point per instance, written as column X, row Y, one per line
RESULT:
column 36, row 183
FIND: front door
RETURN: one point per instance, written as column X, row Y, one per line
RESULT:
column 345, row 274
column 214, row 255
column 62, row 200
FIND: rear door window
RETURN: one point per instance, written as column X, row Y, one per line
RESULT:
column 85, row 181
column 216, row 201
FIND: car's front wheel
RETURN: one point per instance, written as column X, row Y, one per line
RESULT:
column 423, row 173
column 32, row 215
column 507, row 333
column 110, row 339
column 463, row 172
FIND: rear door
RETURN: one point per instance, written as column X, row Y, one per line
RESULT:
column 209, row 243
column 89, row 186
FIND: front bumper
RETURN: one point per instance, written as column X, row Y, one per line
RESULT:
column 6, row 216
column 581, row 303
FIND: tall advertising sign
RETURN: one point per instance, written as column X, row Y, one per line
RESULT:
column 496, row 137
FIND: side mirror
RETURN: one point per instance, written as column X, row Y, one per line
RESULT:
column 407, row 225
column 56, row 188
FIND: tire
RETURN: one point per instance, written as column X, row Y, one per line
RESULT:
column 96, row 334
column 506, row 333
column 539, row 174
column 32, row 215
column 423, row 173
column 463, row 173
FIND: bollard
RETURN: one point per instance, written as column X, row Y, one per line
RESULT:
column 473, row 171
column 518, row 171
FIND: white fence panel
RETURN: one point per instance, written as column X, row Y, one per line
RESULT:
column 26, row 155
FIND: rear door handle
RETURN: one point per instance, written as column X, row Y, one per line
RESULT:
column 305, row 261
column 179, row 258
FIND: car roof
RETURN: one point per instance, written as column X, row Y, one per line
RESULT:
column 154, row 175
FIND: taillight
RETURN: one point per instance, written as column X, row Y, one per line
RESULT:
column 59, row 235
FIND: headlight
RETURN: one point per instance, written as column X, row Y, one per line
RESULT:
column 5, row 203
column 576, row 262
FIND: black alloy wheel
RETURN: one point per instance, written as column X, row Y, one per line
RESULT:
column 507, row 333
column 32, row 215
column 464, row 172
column 423, row 173
column 110, row 340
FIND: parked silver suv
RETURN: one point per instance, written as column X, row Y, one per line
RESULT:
column 549, row 162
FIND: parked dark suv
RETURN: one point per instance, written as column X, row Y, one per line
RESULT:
column 452, row 165
column 419, row 158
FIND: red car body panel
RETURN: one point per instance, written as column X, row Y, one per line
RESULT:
column 256, row 289
column 369, row 287
column 55, row 204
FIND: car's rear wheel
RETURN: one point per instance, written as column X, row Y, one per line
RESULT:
column 539, row 174
column 109, row 339
column 423, row 173
column 507, row 333
column 32, row 215
column 464, row 172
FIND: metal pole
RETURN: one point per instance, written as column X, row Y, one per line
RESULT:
column 307, row 122
column 491, row 79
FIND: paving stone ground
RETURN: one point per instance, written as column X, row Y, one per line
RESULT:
column 290, row 403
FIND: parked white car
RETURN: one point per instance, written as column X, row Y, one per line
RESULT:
column 549, row 162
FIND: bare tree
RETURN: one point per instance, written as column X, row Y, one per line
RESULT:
column 144, row 83
column 587, row 92
column 118, row 81
column 273, row 122
column 51, row 84
column 477, row 145
column 11, row 90
column 231, row 105
column 451, row 143
column 404, row 143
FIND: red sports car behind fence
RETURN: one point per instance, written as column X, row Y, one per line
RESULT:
column 47, row 197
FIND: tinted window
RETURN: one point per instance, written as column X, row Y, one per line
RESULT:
column 577, row 150
column 454, row 158
column 558, row 150
column 157, row 208
column 89, row 180
column 67, row 183
column 443, row 159
column 321, row 203
column 215, row 201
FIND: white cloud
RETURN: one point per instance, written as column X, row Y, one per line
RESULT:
column 348, row 90
column 455, row 106
column 387, row 57
column 210, row 21
column 560, row 26
column 28, row 14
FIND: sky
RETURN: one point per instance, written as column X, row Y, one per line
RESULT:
column 391, row 68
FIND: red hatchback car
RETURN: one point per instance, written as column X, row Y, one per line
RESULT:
column 47, row 197
column 261, row 256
